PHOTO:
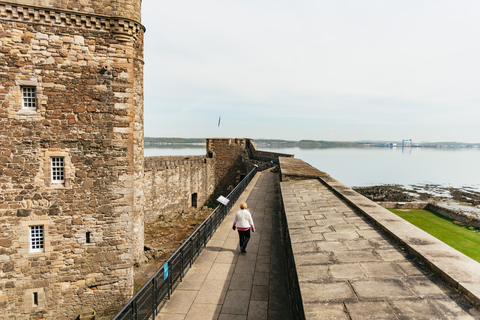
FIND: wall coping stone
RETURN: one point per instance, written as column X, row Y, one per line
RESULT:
column 297, row 168
column 460, row 271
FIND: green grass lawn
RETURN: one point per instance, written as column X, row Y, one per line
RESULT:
column 461, row 238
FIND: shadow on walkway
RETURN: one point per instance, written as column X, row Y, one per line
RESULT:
column 224, row 284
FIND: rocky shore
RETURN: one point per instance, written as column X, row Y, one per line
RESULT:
column 458, row 204
column 462, row 196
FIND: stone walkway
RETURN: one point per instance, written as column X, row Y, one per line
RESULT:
column 224, row 284
column 347, row 269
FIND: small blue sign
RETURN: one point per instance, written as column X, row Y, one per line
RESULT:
column 165, row 272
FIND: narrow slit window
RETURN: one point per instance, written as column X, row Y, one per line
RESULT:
column 35, row 298
column 194, row 200
column 29, row 99
column 88, row 237
column 36, row 239
column 58, row 170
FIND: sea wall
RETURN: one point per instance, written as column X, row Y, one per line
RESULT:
column 174, row 183
column 464, row 216
column 469, row 219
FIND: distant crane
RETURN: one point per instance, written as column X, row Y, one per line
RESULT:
column 403, row 142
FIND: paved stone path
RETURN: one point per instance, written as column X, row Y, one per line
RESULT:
column 349, row 270
column 224, row 284
column 346, row 268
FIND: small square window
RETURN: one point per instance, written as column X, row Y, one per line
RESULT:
column 36, row 239
column 58, row 170
column 29, row 100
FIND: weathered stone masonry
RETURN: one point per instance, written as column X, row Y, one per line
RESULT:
column 234, row 158
column 84, row 60
column 170, row 183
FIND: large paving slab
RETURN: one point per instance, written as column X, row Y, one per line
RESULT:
column 350, row 269
column 224, row 284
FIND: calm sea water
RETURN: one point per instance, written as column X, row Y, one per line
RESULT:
column 458, row 168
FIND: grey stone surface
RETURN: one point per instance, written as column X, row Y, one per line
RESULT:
column 347, row 271
column 326, row 291
column 370, row 310
column 368, row 275
column 456, row 268
column 225, row 284
column 326, row 311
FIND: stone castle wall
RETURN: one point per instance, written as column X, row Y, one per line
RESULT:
column 262, row 159
column 87, row 72
column 231, row 156
column 171, row 182
column 235, row 158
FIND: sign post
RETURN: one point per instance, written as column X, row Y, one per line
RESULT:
column 223, row 200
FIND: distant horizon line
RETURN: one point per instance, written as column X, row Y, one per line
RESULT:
column 339, row 141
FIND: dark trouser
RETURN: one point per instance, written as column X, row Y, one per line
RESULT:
column 244, row 237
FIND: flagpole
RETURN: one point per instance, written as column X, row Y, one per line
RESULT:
column 219, row 128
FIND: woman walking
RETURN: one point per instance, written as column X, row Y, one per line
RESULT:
column 243, row 222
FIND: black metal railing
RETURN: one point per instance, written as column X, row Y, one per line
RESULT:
column 146, row 302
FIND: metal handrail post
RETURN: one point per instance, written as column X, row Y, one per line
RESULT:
column 135, row 313
column 181, row 265
column 170, row 284
column 154, row 295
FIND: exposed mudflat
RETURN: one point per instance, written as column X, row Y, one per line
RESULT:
column 396, row 193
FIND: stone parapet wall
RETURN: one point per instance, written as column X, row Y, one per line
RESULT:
column 170, row 182
column 293, row 285
column 234, row 158
column 292, row 169
column 163, row 162
column 262, row 165
column 333, row 230
column 456, row 269
column 265, row 156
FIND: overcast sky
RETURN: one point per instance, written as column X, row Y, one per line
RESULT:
column 312, row 69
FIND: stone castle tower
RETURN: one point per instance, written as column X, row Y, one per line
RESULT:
column 71, row 155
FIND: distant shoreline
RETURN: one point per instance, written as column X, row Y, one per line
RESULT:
column 308, row 144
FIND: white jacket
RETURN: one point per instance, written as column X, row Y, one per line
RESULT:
column 243, row 219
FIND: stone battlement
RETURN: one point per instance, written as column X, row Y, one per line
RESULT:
column 165, row 162
column 174, row 183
